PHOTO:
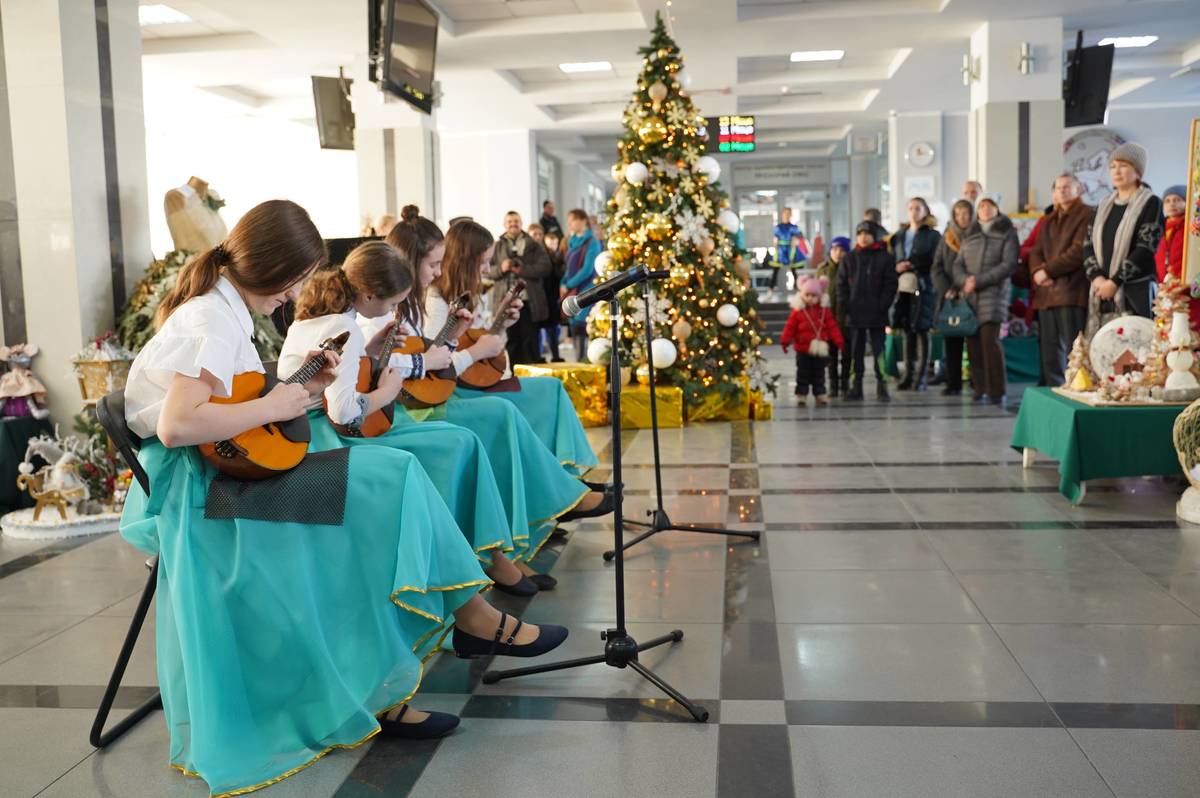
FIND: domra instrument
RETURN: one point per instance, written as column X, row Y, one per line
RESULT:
column 486, row 373
column 435, row 387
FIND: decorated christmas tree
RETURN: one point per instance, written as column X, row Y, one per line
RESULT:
column 670, row 213
column 1079, row 373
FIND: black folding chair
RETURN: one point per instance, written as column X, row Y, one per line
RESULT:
column 111, row 413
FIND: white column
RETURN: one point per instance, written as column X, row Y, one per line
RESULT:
column 1015, row 128
column 73, row 163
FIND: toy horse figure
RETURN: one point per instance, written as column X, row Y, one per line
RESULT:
column 55, row 485
column 21, row 393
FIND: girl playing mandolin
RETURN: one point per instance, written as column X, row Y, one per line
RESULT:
column 374, row 279
column 293, row 614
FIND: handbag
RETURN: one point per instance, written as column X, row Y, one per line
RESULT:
column 956, row 319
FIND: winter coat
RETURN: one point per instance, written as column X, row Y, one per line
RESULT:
column 535, row 267
column 991, row 258
column 550, row 286
column 943, row 261
column 867, row 283
column 914, row 312
column 1135, row 274
column 829, row 270
column 1170, row 261
column 1059, row 250
column 811, row 323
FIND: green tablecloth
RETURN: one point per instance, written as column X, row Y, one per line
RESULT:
column 14, row 436
column 1022, row 359
column 1096, row 442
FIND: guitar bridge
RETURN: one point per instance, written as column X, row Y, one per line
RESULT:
column 228, row 449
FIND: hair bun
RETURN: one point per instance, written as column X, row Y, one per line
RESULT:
column 410, row 213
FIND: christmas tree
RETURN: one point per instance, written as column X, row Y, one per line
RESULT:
column 1079, row 367
column 669, row 213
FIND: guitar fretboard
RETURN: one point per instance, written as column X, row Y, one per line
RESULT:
column 306, row 372
column 498, row 321
column 451, row 323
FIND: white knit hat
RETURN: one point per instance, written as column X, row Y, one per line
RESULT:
column 1131, row 153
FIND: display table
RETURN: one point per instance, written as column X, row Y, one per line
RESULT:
column 1095, row 442
column 14, row 437
column 1022, row 359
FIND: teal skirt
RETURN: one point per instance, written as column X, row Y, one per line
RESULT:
column 457, row 465
column 278, row 642
column 536, row 490
column 545, row 405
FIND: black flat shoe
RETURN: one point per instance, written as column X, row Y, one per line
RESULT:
column 522, row 589
column 438, row 724
column 603, row 508
column 543, row 581
column 467, row 646
column 559, row 534
column 952, row 392
column 598, row 487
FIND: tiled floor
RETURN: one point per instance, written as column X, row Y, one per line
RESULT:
column 922, row 617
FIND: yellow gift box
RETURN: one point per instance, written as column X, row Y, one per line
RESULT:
column 714, row 407
column 585, row 383
column 635, row 406
column 760, row 408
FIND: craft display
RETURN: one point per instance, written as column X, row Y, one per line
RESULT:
column 1079, row 374
column 102, row 367
column 1186, row 437
column 21, row 393
column 193, row 216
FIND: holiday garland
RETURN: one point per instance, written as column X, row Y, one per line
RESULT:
column 669, row 213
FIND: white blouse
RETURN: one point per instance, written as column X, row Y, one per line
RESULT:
column 437, row 310
column 207, row 333
column 345, row 405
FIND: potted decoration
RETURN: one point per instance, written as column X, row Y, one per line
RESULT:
column 102, row 367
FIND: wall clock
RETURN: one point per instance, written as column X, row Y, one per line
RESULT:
column 920, row 154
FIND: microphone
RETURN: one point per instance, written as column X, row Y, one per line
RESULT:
column 609, row 288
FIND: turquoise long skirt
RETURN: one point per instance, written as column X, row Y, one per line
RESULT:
column 278, row 642
column 545, row 405
column 535, row 488
column 457, row 465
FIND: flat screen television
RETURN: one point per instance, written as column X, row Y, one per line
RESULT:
column 407, row 51
column 335, row 117
column 1085, row 90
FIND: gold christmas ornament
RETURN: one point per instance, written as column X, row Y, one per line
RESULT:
column 704, row 304
column 643, row 374
column 652, row 130
column 620, row 246
column 681, row 330
column 658, row 227
column 706, row 246
column 658, row 93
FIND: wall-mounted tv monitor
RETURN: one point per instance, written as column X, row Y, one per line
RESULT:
column 407, row 52
column 731, row 133
column 1085, row 90
column 335, row 117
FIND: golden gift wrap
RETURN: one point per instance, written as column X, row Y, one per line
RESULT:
column 760, row 408
column 585, row 383
column 635, row 406
column 714, row 407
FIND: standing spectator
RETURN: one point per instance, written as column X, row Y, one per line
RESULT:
column 518, row 256
column 866, row 287
column 972, row 190
column 875, row 217
column 914, row 246
column 1059, row 285
column 961, row 216
column 982, row 272
column 839, row 379
column 550, row 286
column 1118, row 252
column 815, row 335
column 785, row 249
column 579, row 273
column 1169, row 258
column 549, row 221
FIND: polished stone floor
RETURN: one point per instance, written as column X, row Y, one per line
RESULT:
column 922, row 617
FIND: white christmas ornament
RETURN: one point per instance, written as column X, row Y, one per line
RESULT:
column 616, row 170
column 729, row 220
column 636, row 173
column 602, row 262
column 599, row 350
column 683, row 78
column 662, row 353
column 709, row 167
column 728, row 315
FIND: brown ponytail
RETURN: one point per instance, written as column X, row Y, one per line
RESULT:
column 269, row 250
column 466, row 241
column 415, row 237
column 373, row 268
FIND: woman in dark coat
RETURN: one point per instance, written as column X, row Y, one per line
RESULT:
column 982, row 272
column 961, row 216
column 914, row 246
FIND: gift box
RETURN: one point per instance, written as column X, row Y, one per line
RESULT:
column 715, row 407
column 585, row 383
column 760, row 408
column 635, row 406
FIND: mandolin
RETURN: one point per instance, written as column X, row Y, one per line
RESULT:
column 486, row 373
column 379, row 422
column 435, row 387
column 270, row 449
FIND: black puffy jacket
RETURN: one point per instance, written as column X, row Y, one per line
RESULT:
column 867, row 284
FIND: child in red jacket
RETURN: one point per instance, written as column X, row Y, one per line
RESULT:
column 811, row 330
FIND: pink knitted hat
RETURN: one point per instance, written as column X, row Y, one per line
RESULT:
column 814, row 285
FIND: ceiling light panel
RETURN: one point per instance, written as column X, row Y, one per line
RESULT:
column 160, row 14
column 1129, row 41
column 580, row 67
column 801, row 56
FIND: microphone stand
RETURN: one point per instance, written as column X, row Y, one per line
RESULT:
column 659, row 520
column 620, row 650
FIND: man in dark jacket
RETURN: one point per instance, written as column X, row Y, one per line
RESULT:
column 1060, row 285
column 517, row 255
column 867, row 283
column 549, row 221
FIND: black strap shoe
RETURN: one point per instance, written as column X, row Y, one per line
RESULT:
column 438, row 724
column 603, row 508
column 522, row 589
column 543, row 581
column 468, row 646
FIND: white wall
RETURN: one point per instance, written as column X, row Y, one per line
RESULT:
column 1164, row 134
column 485, row 175
column 247, row 160
column 955, row 148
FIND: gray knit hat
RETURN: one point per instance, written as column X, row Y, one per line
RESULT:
column 1178, row 191
column 1131, row 153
